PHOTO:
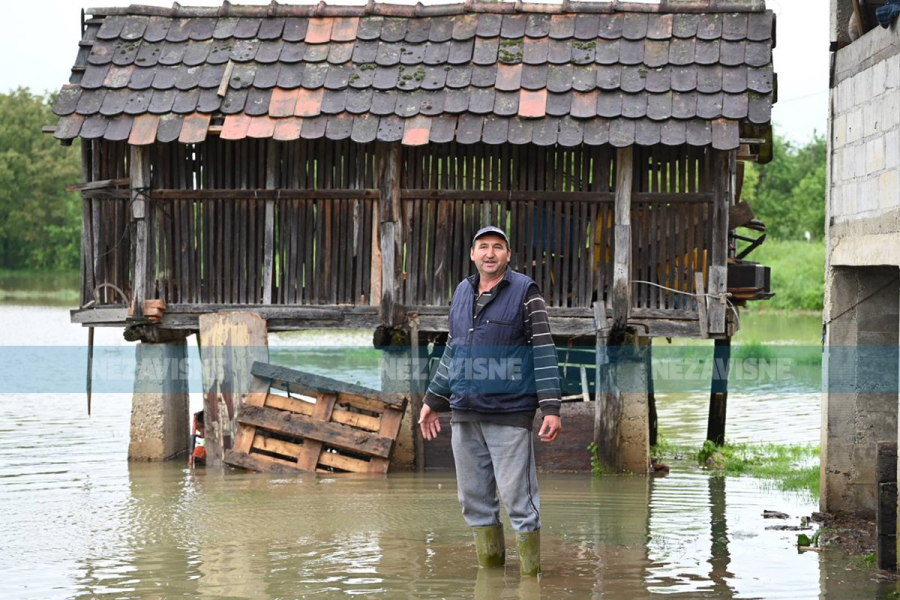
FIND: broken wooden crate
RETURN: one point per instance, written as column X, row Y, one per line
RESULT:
column 337, row 427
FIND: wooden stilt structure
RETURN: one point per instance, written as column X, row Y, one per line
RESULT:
column 718, row 398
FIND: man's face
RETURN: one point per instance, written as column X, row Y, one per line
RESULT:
column 490, row 255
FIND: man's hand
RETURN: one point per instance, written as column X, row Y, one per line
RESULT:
column 549, row 429
column 428, row 422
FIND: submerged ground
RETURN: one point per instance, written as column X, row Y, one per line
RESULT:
column 81, row 522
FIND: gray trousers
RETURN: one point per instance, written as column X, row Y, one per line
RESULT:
column 489, row 457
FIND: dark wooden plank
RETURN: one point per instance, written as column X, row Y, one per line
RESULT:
column 301, row 426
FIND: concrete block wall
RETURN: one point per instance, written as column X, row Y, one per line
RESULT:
column 865, row 140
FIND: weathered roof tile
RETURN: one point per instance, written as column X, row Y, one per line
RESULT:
column 506, row 104
column 257, row 102
column 560, row 52
column 468, row 128
column 495, row 130
column 188, row 78
column 295, row 29
column 359, row 101
column 441, row 29
column 417, row 30
column 513, row 26
column 709, row 79
column 157, row 29
column 365, row 128
column 611, row 26
column 162, row 101
column 559, row 78
column 489, row 25
column 412, row 54
column 520, row 130
column 186, row 102
column 534, row 77
column 559, row 105
column 660, row 27
column 647, row 132
column 383, row 103
column 269, row 51
column 247, row 28
column 634, row 106
column 202, row 28
column 537, row 26
column 634, row 26
column 271, row 28
column 290, row 76
column 536, row 51
column 526, row 77
column 484, row 76
column 334, row 101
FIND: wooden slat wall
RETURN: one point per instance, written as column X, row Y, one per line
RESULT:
column 563, row 243
column 106, row 244
column 210, row 250
column 670, row 238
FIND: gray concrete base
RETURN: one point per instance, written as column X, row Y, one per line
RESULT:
column 860, row 373
column 160, row 406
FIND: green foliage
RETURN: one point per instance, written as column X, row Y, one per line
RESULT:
column 788, row 194
column 40, row 222
column 798, row 274
column 787, row 467
column 805, row 541
column 596, row 465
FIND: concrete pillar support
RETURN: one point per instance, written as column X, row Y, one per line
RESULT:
column 159, row 412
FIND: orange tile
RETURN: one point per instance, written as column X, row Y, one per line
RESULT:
column 143, row 132
column 319, row 30
column 193, row 128
column 261, row 127
column 417, row 131
column 283, row 102
column 344, row 29
column 309, row 102
column 509, row 77
column 235, row 127
column 288, row 129
column 533, row 105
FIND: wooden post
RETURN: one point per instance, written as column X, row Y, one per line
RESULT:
column 140, row 179
column 621, row 292
column 718, row 267
column 272, row 158
column 391, row 232
column 718, row 398
column 886, row 505
column 87, row 258
column 607, row 406
column 418, row 392
column 653, row 420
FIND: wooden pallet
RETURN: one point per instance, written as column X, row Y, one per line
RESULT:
column 334, row 427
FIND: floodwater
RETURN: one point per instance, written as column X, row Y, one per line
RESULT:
column 78, row 521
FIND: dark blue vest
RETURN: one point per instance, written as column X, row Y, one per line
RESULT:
column 493, row 367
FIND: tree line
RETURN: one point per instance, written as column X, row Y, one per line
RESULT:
column 40, row 223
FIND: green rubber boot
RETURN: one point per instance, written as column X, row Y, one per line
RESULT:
column 529, row 546
column 490, row 546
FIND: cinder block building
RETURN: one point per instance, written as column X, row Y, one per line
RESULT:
column 863, row 254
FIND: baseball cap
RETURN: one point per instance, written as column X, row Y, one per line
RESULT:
column 490, row 229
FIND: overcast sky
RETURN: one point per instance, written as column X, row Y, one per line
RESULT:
column 41, row 37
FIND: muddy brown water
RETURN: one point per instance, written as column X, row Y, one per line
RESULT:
column 78, row 521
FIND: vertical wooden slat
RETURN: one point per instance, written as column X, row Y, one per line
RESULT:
column 621, row 293
column 272, row 154
column 140, row 178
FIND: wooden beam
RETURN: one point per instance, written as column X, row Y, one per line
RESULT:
column 621, row 291
column 140, row 181
column 391, row 230
column 272, row 157
column 723, row 182
column 98, row 185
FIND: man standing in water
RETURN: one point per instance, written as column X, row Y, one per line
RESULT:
column 498, row 368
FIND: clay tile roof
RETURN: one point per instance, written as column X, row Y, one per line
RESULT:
column 594, row 72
